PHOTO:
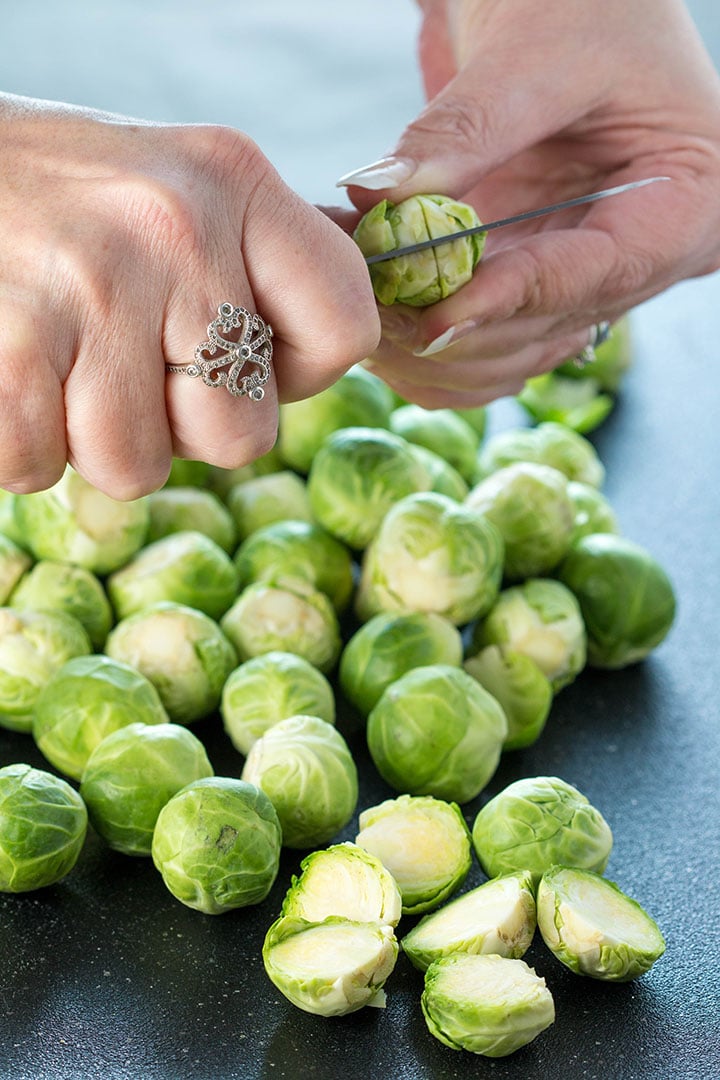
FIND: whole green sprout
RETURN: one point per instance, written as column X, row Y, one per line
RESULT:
column 14, row 562
column 443, row 431
column 549, row 443
column 191, row 509
column 523, row 691
column 278, row 496
column 73, row 589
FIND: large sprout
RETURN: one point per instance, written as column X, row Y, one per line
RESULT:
column 436, row 731
column 390, row 644
column 272, row 687
column 217, row 844
column 73, row 589
column 330, row 968
column 86, row 700
column 287, row 615
column 425, row 844
column 33, row 645
column 593, row 512
column 432, row 555
column 426, row 276
column 305, row 767
column 489, row 1005
column 183, row 653
column 279, row 496
column 14, row 562
column 549, row 443
column 626, row 598
column 183, row 568
column 523, row 691
column 357, row 475
column 594, row 928
column 74, row 522
column 346, row 881
column 539, row 821
column 130, row 776
column 495, row 918
column 540, row 619
column 191, row 509
column 443, row 431
column 357, row 399
column 43, row 822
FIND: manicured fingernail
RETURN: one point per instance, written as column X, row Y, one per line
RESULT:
column 451, row 335
column 388, row 172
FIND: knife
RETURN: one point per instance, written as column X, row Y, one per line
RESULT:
column 528, row 215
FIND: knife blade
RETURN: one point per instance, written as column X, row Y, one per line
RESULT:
column 527, row 215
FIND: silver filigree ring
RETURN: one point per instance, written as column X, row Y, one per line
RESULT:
column 599, row 333
column 220, row 360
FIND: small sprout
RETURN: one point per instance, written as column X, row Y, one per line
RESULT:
column 444, row 478
column 221, row 480
column 593, row 512
column 64, row 587
column 549, row 443
column 14, row 562
column 191, row 509
column 524, row 693
column 346, row 881
column 279, row 496
column 443, row 431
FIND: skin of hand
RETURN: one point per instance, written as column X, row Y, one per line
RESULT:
column 118, row 241
column 531, row 104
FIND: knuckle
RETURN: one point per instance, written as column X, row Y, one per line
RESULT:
column 458, row 118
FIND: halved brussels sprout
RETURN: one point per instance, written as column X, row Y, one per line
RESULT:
column 524, row 693
column 13, row 564
column 576, row 403
column 346, row 881
column 191, row 509
column 443, row 431
column 279, row 496
column 73, row 589
column 594, row 928
column 593, row 512
column 424, row 843
column 549, row 443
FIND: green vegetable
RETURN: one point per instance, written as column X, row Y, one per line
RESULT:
column 345, row 881
column 191, row 509
column 593, row 512
column 444, row 478
column 13, row 564
column 278, row 496
column 524, row 693
column 443, row 431
column 575, row 403
column 64, row 587
column 549, row 443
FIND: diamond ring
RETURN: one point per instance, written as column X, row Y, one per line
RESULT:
column 235, row 338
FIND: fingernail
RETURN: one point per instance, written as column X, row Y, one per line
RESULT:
column 449, row 337
column 388, row 172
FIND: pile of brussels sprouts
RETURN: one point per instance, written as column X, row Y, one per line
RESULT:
column 449, row 584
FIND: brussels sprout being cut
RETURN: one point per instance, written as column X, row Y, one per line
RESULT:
column 430, row 554
column 43, row 822
column 33, row 645
column 74, row 522
column 444, row 479
column 13, row 564
column 305, row 767
column 280, row 496
column 86, row 700
column 626, row 598
column 217, row 844
column 593, row 512
column 436, row 731
column 497, row 917
column 330, row 968
column 130, row 776
column 346, row 881
column 287, row 615
column 388, row 646
column 64, row 587
column 549, row 443
column 489, row 1005
column 441, row 430
column 183, row 568
column 530, row 507
column 356, row 476
column 191, row 509
column 593, row 928
column 183, row 653
column 575, row 403
column 427, row 276
column 298, row 549
column 537, row 822
column 542, row 620
column 423, row 842
column 269, row 688
column 524, row 693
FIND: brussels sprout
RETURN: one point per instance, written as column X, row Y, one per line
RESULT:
column 33, row 645
column 436, row 731
column 530, row 507
column 8, row 525
column 356, row 476
column 593, row 512
column 423, row 842
column 187, row 473
column 74, row 522
column 85, row 700
column 183, row 653
column 444, row 479
column 357, row 399
column 593, row 928
column 497, row 917
column 476, row 417
column 287, row 615
column 191, row 509
column 524, row 693
column 298, row 549
column 279, row 496
column 575, row 403
column 305, row 767
column 346, row 881
column 547, row 444
column 222, row 481
column 130, row 776
column 73, row 589
column 539, row 821
column 430, row 554
column 441, row 430
column 388, row 646
column 217, row 844
column 541, row 619
column 613, row 357
column 427, row 276
column 330, row 968
column 626, row 598
column 489, row 1005
column 43, row 822
column 269, row 688
column 183, row 568
column 13, row 564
